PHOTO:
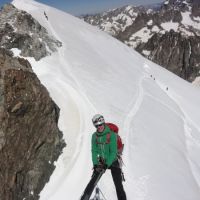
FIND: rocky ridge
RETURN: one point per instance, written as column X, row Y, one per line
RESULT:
column 30, row 140
column 168, row 35
column 19, row 30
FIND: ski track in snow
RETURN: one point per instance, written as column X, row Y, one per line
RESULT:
column 86, row 103
column 189, row 139
column 140, row 184
column 68, row 164
column 85, row 109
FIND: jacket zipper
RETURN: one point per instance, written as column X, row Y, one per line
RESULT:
column 102, row 147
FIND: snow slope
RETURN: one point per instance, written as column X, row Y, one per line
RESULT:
column 157, row 112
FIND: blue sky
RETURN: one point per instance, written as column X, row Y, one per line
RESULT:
column 77, row 7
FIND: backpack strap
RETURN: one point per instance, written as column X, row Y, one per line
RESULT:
column 107, row 139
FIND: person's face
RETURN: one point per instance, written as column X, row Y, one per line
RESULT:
column 100, row 128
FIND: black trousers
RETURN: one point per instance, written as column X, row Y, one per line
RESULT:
column 117, row 178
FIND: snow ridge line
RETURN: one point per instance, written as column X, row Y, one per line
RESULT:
column 62, row 56
column 188, row 137
column 85, row 110
column 135, row 106
column 61, row 52
column 140, row 184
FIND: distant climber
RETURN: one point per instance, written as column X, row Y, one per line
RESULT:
column 105, row 156
column 45, row 15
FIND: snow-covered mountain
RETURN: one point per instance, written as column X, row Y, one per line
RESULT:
column 168, row 35
column 157, row 112
column 116, row 20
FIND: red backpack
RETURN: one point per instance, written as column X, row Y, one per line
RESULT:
column 115, row 129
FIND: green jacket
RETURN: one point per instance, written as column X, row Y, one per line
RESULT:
column 100, row 149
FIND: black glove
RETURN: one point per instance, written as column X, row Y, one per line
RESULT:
column 100, row 168
column 105, row 167
column 95, row 167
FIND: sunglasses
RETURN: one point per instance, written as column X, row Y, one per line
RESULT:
column 98, row 125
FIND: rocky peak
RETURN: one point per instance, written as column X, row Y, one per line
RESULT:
column 196, row 8
column 177, row 4
column 167, row 34
column 115, row 20
column 183, row 6
column 19, row 30
column 30, row 140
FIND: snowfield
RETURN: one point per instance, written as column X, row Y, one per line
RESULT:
column 157, row 112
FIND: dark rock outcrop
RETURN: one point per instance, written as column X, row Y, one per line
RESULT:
column 195, row 8
column 30, row 140
column 176, row 53
column 20, row 30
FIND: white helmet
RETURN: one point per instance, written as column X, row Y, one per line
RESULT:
column 98, row 120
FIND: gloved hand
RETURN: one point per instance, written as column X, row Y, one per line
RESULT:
column 105, row 167
column 100, row 168
column 97, row 168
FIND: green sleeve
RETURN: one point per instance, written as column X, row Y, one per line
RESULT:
column 94, row 150
column 113, row 149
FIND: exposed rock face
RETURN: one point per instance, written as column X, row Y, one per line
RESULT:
column 116, row 20
column 196, row 8
column 168, row 35
column 176, row 53
column 20, row 30
column 30, row 140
